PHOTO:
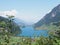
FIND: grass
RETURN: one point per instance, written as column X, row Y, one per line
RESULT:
column 30, row 41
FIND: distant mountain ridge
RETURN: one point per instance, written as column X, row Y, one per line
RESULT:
column 19, row 22
column 53, row 16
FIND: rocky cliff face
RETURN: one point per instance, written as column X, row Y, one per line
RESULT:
column 53, row 16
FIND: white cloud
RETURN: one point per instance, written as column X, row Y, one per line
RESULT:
column 26, row 17
column 11, row 12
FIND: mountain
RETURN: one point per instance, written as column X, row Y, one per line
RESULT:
column 53, row 16
column 15, row 26
column 19, row 22
column 3, row 19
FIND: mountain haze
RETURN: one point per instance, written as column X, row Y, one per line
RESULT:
column 53, row 16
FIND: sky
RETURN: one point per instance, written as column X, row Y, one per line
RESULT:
column 30, row 11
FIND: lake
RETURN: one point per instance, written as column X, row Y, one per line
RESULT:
column 31, row 32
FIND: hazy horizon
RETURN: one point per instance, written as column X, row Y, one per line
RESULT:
column 29, row 11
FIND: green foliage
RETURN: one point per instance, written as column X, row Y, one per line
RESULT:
column 54, row 34
column 10, row 26
column 9, row 30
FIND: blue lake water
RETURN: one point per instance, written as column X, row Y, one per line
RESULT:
column 31, row 32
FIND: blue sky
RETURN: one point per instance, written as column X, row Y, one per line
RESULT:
column 29, row 11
